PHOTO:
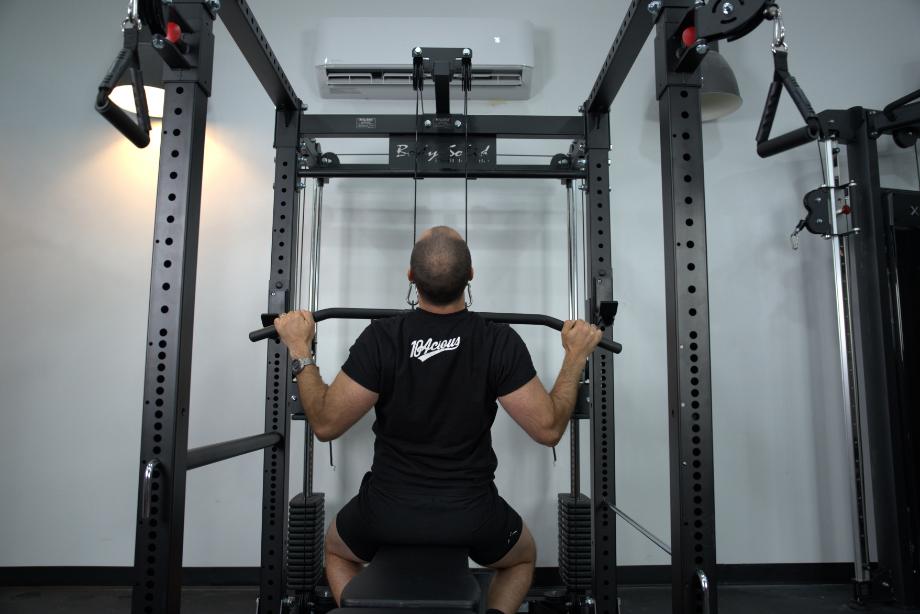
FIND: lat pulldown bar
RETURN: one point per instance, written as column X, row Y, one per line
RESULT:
column 351, row 313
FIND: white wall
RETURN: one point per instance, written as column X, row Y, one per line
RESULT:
column 75, row 232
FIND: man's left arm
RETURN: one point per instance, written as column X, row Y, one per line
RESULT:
column 330, row 410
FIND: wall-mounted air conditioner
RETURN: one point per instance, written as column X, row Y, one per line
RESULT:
column 372, row 58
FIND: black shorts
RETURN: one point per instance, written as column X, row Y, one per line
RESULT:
column 478, row 519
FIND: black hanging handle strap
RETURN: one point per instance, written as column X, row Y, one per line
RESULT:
column 138, row 132
column 766, row 146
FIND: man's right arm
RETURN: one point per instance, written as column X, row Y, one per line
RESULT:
column 543, row 415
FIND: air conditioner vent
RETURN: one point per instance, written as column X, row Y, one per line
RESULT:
column 353, row 61
column 481, row 77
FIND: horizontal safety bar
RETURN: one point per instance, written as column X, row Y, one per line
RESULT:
column 206, row 455
column 351, row 313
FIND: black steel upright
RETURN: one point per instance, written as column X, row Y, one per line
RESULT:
column 686, row 291
column 279, row 389
column 600, row 275
column 877, row 346
column 164, row 431
column 246, row 32
column 693, row 531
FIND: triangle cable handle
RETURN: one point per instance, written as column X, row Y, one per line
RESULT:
column 138, row 132
column 766, row 146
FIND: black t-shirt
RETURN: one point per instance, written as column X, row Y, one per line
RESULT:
column 438, row 377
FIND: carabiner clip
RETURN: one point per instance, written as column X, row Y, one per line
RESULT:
column 409, row 301
column 779, row 32
column 132, row 20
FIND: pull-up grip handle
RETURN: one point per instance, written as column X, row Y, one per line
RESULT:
column 766, row 146
column 350, row 313
column 785, row 142
column 138, row 132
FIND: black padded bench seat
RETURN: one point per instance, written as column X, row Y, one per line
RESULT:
column 415, row 577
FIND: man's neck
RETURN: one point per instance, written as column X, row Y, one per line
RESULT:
column 458, row 305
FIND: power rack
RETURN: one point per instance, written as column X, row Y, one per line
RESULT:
column 181, row 32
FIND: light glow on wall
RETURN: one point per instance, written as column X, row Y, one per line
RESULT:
column 123, row 96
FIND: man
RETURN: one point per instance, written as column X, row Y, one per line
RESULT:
column 434, row 375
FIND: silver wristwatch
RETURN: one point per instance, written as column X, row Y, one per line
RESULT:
column 299, row 364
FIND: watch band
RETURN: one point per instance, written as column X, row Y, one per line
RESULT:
column 299, row 364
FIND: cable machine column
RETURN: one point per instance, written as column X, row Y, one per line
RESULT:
column 575, row 528
column 306, row 514
column 574, row 442
column 316, row 230
column 848, row 372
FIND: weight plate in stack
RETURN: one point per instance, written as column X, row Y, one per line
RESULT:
column 575, row 541
column 304, row 544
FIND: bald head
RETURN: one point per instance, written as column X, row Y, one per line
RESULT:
column 441, row 265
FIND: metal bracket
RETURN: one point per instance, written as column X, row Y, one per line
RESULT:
column 821, row 211
column 578, row 154
column 441, row 64
column 607, row 312
column 583, row 402
column 309, row 153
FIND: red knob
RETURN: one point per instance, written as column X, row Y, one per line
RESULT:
column 173, row 32
column 688, row 36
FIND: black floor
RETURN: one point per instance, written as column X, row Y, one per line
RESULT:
column 810, row 599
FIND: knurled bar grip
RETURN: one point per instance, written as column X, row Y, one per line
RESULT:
column 354, row 313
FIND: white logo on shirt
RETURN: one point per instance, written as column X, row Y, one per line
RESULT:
column 423, row 350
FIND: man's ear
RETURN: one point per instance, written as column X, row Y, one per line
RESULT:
column 410, row 276
column 472, row 273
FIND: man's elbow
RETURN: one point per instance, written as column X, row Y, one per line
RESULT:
column 549, row 438
column 324, row 433
column 551, row 430
column 549, row 434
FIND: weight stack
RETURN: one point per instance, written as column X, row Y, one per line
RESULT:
column 575, row 541
column 304, row 546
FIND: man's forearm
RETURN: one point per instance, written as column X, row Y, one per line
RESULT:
column 565, row 391
column 312, row 395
